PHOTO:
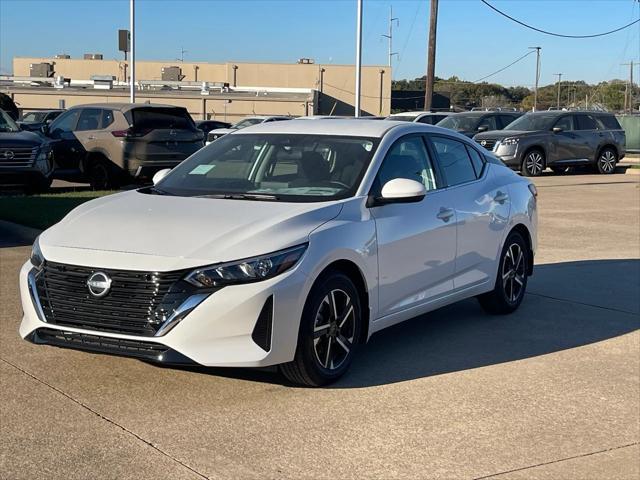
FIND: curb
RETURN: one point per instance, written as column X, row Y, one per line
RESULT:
column 632, row 171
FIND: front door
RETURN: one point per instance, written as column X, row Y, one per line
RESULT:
column 416, row 241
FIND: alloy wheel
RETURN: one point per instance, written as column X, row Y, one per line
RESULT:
column 534, row 164
column 334, row 329
column 513, row 273
column 607, row 161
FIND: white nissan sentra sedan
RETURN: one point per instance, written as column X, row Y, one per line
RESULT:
column 286, row 243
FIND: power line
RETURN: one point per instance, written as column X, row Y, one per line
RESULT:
column 504, row 68
column 557, row 34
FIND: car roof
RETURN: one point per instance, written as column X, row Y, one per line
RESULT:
column 340, row 127
column 557, row 113
column 123, row 107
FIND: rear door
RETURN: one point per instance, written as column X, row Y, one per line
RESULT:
column 482, row 210
column 163, row 135
column 590, row 136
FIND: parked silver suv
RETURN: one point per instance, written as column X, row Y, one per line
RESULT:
column 558, row 140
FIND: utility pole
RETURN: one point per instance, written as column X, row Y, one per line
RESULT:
column 358, row 57
column 431, row 55
column 559, row 79
column 535, row 90
column 132, row 69
column 389, row 36
column 182, row 52
column 628, row 90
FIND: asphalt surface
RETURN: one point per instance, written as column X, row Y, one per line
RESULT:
column 550, row 392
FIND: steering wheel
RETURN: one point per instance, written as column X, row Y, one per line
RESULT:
column 339, row 183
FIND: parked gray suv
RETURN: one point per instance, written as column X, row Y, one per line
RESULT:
column 558, row 140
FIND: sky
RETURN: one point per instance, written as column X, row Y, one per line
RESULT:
column 473, row 41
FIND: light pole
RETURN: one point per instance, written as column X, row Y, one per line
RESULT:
column 132, row 69
column 535, row 91
column 559, row 79
column 358, row 57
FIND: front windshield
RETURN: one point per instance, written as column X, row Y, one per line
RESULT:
column 35, row 117
column 533, row 121
column 460, row 123
column 285, row 167
column 247, row 122
column 7, row 124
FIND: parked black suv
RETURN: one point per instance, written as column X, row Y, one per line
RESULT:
column 25, row 157
column 558, row 140
column 470, row 123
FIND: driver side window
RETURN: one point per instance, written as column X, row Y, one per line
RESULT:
column 407, row 158
column 65, row 122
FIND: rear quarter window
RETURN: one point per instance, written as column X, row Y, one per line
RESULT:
column 609, row 122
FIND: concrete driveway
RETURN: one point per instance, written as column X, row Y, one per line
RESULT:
column 552, row 391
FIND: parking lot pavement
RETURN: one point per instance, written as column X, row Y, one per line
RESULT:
column 552, row 391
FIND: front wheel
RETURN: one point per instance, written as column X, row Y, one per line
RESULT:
column 511, row 281
column 533, row 164
column 103, row 176
column 607, row 160
column 329, row 332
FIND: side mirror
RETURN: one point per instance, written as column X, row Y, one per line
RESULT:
column 45, row 129
column 483, row 128
column 401, row 190
column 557, row 129
column 159, row 175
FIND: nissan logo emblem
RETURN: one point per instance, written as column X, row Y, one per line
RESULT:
column 483, row 143
column 9, row 155
column 99, row 284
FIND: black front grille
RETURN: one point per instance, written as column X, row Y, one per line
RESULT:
column 114, row 346
column 137, row 303
column 487, row 143
column 17, row 157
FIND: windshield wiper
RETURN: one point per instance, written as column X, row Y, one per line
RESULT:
column 157, row 191
column 241, row 196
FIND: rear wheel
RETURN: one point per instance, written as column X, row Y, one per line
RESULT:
column 511, row 281
column 533, row 164
column 606, row 163
column 103, row 176
column 329, row 332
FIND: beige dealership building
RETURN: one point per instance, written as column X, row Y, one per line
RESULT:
column 232, row 89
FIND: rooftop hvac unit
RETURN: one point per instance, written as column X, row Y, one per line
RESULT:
column 306, row 61
column 62, row 56
column 41, row 70
column 172, row 74
column 93, row 56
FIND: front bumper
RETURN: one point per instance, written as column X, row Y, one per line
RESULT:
column 218, row 332
column 22, row 176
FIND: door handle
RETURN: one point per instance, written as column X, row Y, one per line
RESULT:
column 445, row 214
column 500, row 197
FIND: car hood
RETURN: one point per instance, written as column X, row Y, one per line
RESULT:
column 188, row 230
column 21, row 139
column 500, row 134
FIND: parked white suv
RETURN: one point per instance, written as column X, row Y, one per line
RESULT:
column 245, row 122
column 286, row 243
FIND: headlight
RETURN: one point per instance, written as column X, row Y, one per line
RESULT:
column 247, row 270
column 37, row 259
column 43, row 158
column 509, row 141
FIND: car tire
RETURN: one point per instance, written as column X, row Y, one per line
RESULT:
column 103, row 176
column 533, row 163
column 329, row 332
column 511, row 280
column 607, row 160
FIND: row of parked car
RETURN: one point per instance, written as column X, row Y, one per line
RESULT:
column 111, row 144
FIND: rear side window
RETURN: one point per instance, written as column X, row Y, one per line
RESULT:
column 609, row 122
column 586, row 122
column 454, row 161
column 160, row 118
column 89, row 119
column 476, row 160
column 428, row 119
